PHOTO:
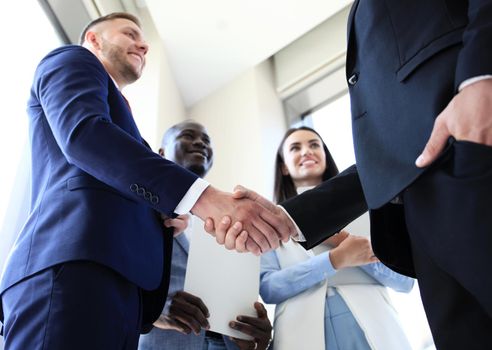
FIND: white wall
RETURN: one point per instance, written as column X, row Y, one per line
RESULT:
column 155, row 99
column 313, row 55
column 245, row 121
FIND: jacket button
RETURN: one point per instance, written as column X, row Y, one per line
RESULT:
column 141, row 191
column 133, row 187
column 154, row 200
column 147, row 195
column 353, row 79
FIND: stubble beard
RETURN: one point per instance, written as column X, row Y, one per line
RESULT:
column 117, row 56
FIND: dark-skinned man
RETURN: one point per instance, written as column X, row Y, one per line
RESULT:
column 183, row 323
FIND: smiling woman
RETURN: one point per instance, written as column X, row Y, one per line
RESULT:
column 26, row 48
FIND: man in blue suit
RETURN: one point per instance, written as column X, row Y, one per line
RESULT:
column 420, row 80
column 82, row 271
column 188, row 144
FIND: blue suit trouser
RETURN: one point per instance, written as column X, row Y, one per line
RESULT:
column 75, row 305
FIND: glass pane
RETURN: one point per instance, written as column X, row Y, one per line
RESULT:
column 333, row 122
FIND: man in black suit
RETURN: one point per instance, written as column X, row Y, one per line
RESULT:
column 419, row 76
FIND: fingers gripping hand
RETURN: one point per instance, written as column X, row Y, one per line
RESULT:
column 255, row 219
column 216, row 205
column 274, row 216
column 236, row 237
column 263, row 227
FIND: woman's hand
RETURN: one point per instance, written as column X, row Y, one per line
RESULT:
column 350, row 251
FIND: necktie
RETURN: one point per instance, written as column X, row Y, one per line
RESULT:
column 127, row 103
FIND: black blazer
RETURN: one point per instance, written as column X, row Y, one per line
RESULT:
column 405, row 61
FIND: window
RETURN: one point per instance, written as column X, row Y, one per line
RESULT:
column 333, row 122
column 31, row 37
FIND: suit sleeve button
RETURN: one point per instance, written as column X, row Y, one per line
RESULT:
column 141, row 191
column 133, row 187
column 154, row 199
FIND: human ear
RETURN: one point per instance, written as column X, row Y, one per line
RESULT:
column 161, row 152
column 92, row 38
column 284, row 169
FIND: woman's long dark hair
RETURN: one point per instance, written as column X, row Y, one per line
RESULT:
column 284, row 187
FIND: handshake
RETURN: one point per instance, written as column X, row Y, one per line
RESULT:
column 243, row 220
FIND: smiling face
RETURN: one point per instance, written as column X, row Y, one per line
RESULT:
column 304, row 158
column 120, row 46
column 188, row 144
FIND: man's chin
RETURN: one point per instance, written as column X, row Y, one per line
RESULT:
column 196, row 168
column 132, row 75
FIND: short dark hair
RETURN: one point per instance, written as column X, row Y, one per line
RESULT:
column 110, row 17
column 170, row 132
column 284, row 187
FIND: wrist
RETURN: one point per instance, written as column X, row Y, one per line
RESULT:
column 336, row 259
column 200, row 206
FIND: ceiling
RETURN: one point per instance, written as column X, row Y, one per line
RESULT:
column 209, row 43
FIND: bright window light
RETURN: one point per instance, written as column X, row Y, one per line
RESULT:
column 30, row 37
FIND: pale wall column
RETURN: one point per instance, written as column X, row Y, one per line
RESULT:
column 155, row 99
column 245, row 121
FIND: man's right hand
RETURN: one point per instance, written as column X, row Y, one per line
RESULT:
column 264, row 223
column 187, row 314
column 466, row 118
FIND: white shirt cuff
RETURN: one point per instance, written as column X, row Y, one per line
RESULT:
column 473, row 80
column 300, row 237
column 191, row 196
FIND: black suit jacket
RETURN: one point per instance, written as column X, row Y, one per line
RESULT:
column 405, row 61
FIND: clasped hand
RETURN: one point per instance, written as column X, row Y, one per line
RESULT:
column 244, row 220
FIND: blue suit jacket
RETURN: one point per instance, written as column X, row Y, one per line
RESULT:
column 159, row 339
column 96, row 187
column 405, row 61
